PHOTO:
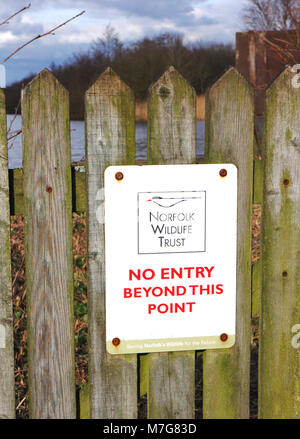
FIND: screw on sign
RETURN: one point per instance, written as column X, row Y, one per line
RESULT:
column 224, row 337
column 119, row 176
column 223, row 173
column 116, row 341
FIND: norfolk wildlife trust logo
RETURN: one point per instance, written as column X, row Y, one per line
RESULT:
column 171, row 222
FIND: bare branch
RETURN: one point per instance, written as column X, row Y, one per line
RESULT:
column 16, row 13
column 50, row 32
column 267, row 15
column 14, row 134
column 9, row 131
column 284, row 54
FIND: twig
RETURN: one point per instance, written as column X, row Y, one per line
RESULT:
column 14, row 118
column 14, row 139
column 18, row 272
column 281, row 52
column 14, row 134
column 20, row 403
column 16, row 13
column 50, row 32
column 258, row 139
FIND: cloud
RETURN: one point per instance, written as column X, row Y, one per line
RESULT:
column 195, row 20
column 22, row 26
column 154, row 9
column 7, row 37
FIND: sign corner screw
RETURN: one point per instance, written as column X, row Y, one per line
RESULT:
column 116, row 341
column 223, row 337
column 119, row 176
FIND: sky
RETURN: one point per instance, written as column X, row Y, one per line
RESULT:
column 206, row 21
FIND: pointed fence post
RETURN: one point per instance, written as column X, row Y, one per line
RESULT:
column 279, row 365
column 48, row 247
column 110, row 140
column 171, row 140
column 229, row 139
column 7, row 382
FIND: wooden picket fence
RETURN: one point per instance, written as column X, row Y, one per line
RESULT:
column 46, row 201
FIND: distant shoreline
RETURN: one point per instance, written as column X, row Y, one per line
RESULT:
column 141, row 109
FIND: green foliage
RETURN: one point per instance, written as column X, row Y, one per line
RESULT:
column 80, row 262
column 139, row 64
column 80, row 309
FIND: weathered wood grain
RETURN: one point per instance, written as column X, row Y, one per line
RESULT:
column 279, row 371
column 48, row 247
column 229, row 139
column 171, row 129
column 7, row 383
column 171, row 140
column 110, row 140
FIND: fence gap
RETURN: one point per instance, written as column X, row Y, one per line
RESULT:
column 110, row 140
column 229, row 139
column 7, row 383
column 143, row 381
column 279, row 363
column 258, row 185
column 48, row 247
column 199, row 385
column 171, row 140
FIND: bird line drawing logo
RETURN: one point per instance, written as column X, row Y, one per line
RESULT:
column 168, row 202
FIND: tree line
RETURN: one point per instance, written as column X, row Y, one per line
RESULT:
column 139, row 64
column 142, row 62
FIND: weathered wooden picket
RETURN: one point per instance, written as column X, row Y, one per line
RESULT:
column 43, row 193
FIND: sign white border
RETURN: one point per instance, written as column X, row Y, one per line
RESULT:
column 129, row 328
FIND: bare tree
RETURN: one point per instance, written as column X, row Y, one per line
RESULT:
column 108, row 45
column 11, row 135
column 266, row 15
column 276, row 15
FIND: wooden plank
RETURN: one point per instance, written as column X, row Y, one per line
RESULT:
column 48, row 247
column 279, row 370
column 171, row 124
column 110, row 141
column 7, row 383
column 171, row 140
column 16, row 193
column 229, row 138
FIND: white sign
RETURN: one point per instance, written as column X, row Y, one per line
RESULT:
column 170, row 247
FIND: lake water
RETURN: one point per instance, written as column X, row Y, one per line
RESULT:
column 78, row 141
